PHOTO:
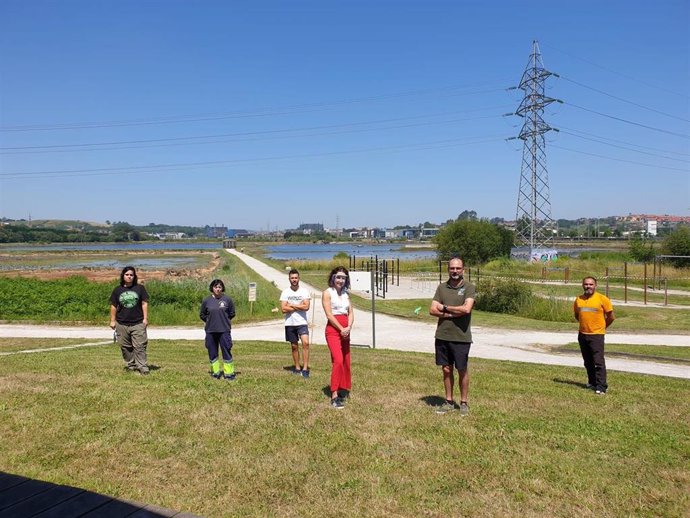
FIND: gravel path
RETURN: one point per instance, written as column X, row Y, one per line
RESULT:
column 397, row 334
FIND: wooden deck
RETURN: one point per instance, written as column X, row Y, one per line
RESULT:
column 22, row 497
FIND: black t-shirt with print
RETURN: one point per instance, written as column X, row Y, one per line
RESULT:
column 127, row 302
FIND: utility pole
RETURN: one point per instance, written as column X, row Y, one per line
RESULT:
column 533, row 224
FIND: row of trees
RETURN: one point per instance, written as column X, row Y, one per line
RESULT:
column 119, row 232
column 479, row 241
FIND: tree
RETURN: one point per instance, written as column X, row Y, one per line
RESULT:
column 467, row 214
column 475, row 241
column 678, row 243
column 642, row 250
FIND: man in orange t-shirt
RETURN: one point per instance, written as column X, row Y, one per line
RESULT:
column 594, row 312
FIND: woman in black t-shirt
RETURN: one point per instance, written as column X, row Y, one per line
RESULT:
column 129, row 317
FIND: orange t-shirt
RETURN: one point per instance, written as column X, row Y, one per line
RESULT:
column 592, row 313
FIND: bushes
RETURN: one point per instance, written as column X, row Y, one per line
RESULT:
column 77, row 299
column 502, row 296
column 71, row 299
column 678, row 243
column 513, row 297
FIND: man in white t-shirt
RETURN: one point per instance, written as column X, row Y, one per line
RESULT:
column 294, row 303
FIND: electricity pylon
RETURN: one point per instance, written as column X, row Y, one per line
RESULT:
column 533, row 224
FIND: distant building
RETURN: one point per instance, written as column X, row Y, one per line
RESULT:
column 216, row 232
column 234, row 233
column 428, row 233
column 651, row 227
column 310, row 228
column 377, row 233
column 170, row 235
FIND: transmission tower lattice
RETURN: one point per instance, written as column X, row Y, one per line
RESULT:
column 533, row 224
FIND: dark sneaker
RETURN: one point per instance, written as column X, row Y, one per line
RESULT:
column 589, row 386
column 305, row 373
column 217, row 375
column 337, row 403
column 446, row 407
column 230, row 377
column 131, row 368
column 297, row 372
column 144, row 371
column 464, row 408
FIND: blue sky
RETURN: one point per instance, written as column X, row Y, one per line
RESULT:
column 267, row 114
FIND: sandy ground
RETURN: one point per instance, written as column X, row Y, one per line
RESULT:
column 387, row 332
column 105, row 274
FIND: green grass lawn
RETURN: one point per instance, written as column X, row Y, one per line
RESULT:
column 638, row 352
column 629, row 319
column 536, row 443
column 9, row 345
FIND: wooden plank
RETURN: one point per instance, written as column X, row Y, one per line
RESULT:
column 77, row 506
column 27, row 489
column 7, row 480
column 21, row 497
column 41, row 501
column 114, row 509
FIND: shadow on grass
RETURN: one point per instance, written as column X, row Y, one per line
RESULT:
column 432, row 400
column 22, row 496
column 570, row 382
column 326, row 391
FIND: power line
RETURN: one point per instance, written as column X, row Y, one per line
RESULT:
column 656, row 166
column 682, row 135
column 163, row 167
column 685, row 95
column 288, row 110
column 625, row 147
column 624, row 142
column 623, row 100
column 178, row 140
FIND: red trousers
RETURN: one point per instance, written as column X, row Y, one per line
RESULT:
column 341, row 376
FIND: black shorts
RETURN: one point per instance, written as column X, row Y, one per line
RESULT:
column 293, row 333
column 452, row 353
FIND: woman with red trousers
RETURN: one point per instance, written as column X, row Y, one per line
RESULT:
column 340, row 315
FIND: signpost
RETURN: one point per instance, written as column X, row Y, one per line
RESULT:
column 252, row 296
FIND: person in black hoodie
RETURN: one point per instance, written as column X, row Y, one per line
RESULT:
column 217, row 310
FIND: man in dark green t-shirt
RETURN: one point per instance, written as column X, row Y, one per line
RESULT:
column 452, row 304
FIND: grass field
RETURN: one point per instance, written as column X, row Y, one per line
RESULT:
column 679, row 355
column 536, row 443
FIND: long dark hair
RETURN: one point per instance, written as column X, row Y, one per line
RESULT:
column 339, row 269
column 126, row 269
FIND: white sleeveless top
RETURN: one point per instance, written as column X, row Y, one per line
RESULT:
column 340, row 304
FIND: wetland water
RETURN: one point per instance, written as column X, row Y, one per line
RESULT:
column 328, row 250
column 163, row 255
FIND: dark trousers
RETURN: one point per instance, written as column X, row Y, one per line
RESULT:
column 213, row 340
column 592, row 349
